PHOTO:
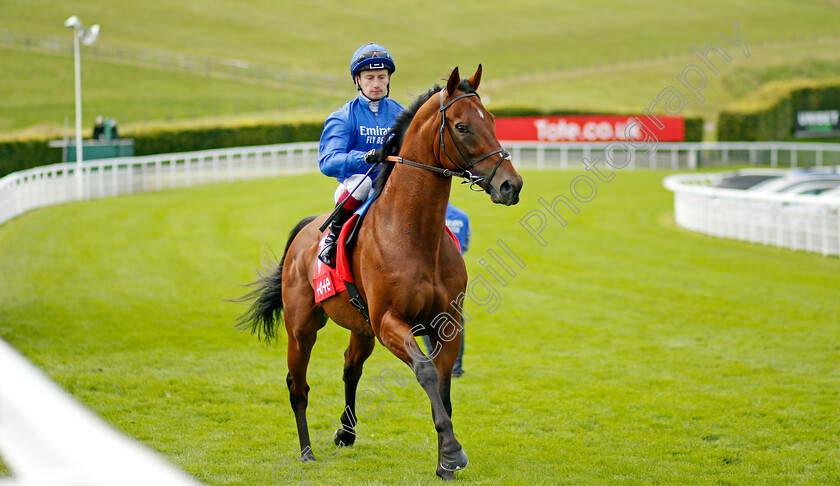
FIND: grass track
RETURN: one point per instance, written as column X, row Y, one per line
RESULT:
column 628, row 351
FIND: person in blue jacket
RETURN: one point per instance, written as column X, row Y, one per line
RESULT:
column 459, row 224
column 353, row 133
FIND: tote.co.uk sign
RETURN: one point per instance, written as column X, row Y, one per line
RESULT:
column 585, row 128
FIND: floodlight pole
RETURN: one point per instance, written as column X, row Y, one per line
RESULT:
column 88, row 37
column 77, row 61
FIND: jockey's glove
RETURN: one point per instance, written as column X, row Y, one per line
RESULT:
column 373, row 156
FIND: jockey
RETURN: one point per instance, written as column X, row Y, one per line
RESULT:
column 353, row 133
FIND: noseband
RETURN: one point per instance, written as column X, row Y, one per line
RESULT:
column 465, row 172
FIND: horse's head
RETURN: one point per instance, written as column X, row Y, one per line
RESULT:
column 468, row 140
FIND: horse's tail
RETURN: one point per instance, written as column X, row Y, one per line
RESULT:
column 267, row 296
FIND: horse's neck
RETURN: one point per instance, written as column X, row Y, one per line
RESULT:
column 413, row 205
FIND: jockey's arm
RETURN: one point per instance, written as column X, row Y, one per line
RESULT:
column 336, row 159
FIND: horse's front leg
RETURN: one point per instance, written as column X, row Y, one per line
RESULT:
column 444, row 359
column 357, row 352
column 396, row 335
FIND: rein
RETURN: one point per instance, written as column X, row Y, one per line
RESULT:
column 464, row 172
column 469, row 177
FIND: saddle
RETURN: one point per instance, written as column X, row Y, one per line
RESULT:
column 330, row 281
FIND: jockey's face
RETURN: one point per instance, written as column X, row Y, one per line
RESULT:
column 374, row 83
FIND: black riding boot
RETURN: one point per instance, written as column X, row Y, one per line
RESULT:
column 327, row 254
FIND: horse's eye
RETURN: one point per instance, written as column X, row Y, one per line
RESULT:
column 461, row 128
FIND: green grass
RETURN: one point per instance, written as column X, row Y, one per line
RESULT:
column 527, row 50
column 142, row 95
column 632, row 88
column 628, row 351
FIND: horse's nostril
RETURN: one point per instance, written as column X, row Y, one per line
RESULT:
column 506, row 188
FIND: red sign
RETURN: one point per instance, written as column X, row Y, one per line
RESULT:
column 589, row 128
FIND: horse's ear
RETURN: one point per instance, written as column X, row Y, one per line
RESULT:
column 454, row 81
column 475, row 79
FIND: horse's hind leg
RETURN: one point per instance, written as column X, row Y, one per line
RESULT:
column 302, row 329
column 357, row 352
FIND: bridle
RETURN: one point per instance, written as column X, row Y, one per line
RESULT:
column 463, row 172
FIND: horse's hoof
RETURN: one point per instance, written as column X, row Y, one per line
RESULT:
column 307, row 456
column 454, row 461
column 444, row 474
column 344, row 437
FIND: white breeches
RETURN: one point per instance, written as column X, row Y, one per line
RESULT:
column 361, row 193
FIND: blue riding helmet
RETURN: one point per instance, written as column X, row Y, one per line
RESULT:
column 371, row 56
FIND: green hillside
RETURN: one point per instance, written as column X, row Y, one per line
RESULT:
column 555, row 54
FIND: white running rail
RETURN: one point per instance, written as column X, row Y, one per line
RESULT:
column 673, row 155
column 799, row 222
column 56, row 184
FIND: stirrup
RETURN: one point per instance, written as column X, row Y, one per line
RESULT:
column 327, row 255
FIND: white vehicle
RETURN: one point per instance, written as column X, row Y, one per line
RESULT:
column 747, row 178
column 804, row 182
column 835, row 192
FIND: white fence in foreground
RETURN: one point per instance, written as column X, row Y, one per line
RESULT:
column 799, row 222
column 47, row 438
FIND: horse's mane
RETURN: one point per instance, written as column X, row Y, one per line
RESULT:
column 395, row 136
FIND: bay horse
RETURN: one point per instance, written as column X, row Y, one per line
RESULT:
column 405, row 265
